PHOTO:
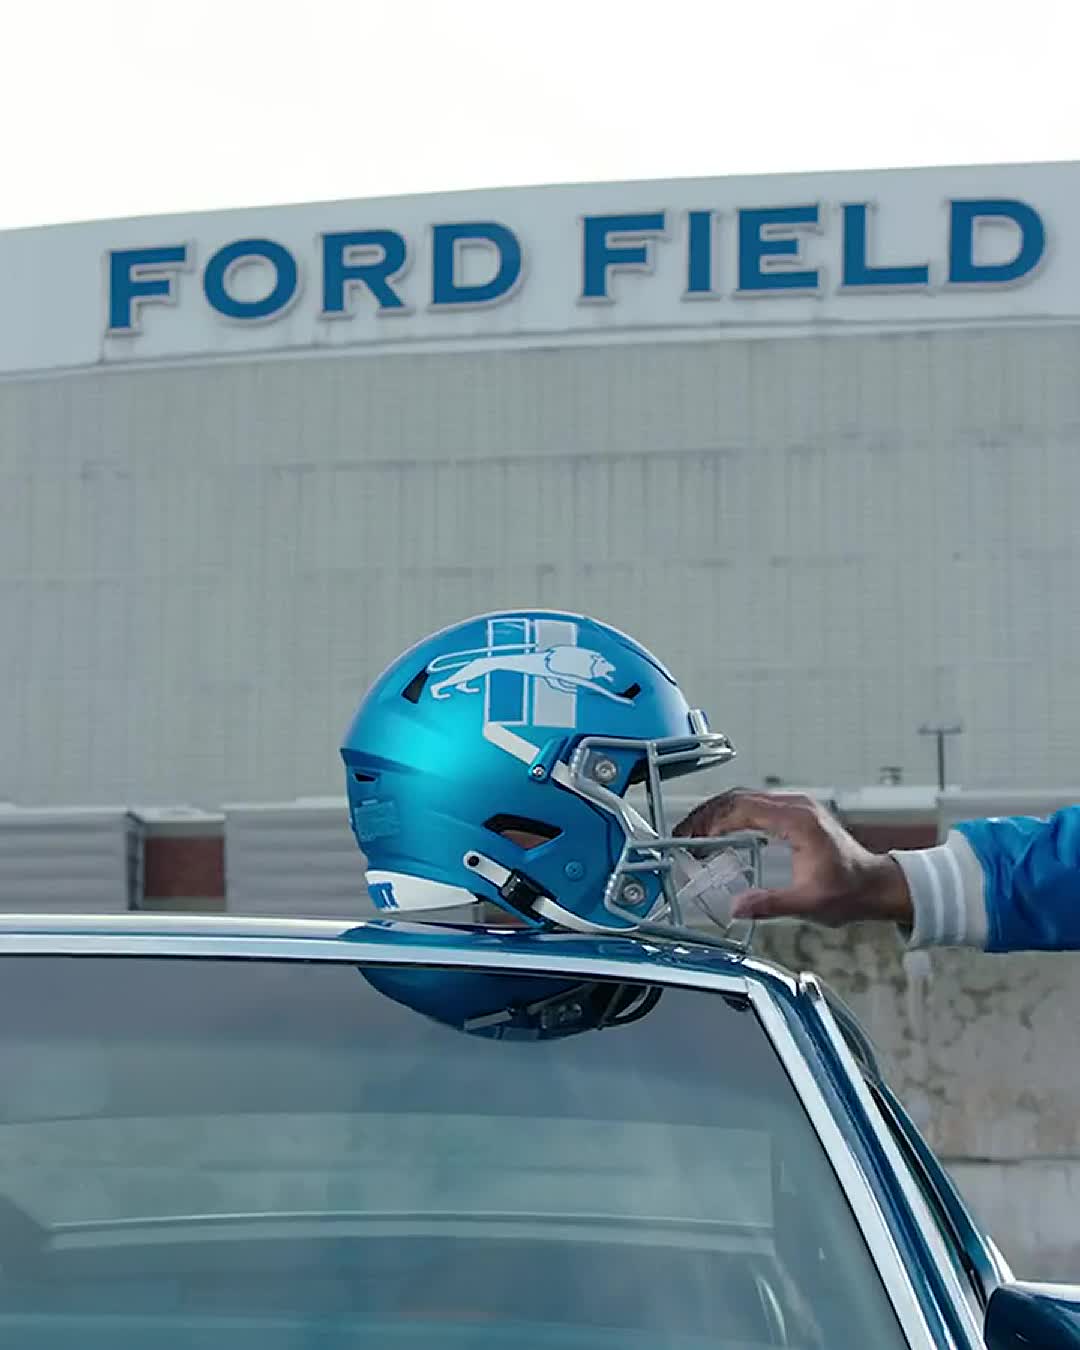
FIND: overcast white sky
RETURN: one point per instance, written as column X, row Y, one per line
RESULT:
column 132, row 107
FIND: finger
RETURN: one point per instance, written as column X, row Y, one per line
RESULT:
column 716, row 814
column 779, row 904
column 787, row 816
column 697, row 820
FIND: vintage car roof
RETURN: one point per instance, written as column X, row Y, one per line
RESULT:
column 379, row 939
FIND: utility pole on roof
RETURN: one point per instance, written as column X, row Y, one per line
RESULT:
column 940, row 733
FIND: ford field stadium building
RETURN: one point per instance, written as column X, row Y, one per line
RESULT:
column 814, row 439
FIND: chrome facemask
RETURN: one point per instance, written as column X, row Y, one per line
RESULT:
column 699, row 877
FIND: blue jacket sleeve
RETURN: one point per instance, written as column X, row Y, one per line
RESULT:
column 1004, row 884
column 1032, row 880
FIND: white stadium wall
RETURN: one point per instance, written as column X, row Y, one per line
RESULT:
column 814, row 439
column 831, row 540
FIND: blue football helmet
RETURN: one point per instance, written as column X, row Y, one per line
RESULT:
column 492, row 761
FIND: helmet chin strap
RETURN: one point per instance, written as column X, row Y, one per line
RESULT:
column 488, row 868
column 552, row 911
column 521, row 894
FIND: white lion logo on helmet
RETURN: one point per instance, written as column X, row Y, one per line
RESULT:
column 562, row 667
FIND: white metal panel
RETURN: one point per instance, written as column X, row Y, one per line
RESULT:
column 1039, row 802
column 293, row 858
column 299, row 859
column 73, row 860
column 1030, row 1206
column 831, row 541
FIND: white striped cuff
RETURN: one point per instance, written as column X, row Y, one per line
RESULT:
column 947, row 894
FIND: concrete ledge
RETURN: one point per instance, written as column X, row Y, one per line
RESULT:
column 1030, row 1209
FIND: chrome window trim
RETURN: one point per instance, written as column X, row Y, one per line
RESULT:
column 357, row 950
column 853, row 1180
column 925, row 1220
column 989, row 1267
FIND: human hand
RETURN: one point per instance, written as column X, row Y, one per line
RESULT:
column 834, row 879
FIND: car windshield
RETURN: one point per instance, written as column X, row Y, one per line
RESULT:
column 231, row 1154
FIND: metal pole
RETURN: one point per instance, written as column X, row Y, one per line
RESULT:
column 939, row 733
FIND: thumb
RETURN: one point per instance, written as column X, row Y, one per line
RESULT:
column 769, row 905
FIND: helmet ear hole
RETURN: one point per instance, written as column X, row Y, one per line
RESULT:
column 534, row 832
